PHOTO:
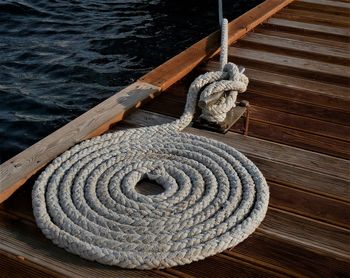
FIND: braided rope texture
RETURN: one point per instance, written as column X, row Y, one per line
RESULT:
column 214, row 197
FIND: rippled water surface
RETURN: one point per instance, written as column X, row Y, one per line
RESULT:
column 59, row 58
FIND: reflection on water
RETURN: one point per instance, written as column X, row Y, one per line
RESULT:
column 58, row 58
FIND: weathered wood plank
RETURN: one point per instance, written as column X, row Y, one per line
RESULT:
column 223, row 266
column 313, row 17
column 177, row 67
column 23, row 239
column 324, row 237
column 18, row 267
column 306, row 180
column 320, row 31
column 296, row 48
column 291, row 65
column 303, row 109
column 15, row 171
column 327, row 3
column 294, row 121
column 297, row 138
column 292, row 257
column 262, row 29
column 320, row 6
column 310, row 205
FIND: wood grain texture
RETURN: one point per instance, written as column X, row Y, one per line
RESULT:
column 300, row 36
column 298, row 65
column 179, row 66
column 24, row 240
column 291, row 120
column 18, row 267
column 296, row 48
column 15, row 171
column 325, row 6
column 314, row 17
column 297, row 138
column 316, row 235
column 320, row 31
column 279, row 103
column 328, row 3
column 223, row 266
column 310, row 205
column 305, row 68
column 293, row 258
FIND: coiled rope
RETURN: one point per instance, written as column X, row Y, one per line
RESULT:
column 85, row 201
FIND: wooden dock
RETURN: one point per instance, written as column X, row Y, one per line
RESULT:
column 296, row 54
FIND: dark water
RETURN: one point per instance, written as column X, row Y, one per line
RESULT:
column 59, row 58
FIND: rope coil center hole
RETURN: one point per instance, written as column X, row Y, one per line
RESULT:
column 147, row 186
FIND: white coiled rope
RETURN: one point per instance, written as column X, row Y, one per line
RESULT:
column 85, row 201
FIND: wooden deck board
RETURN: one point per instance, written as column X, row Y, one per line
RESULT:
column 314, row 17
column 337, row 34
column 296, row 48
column 325, row 6
column 324, row 72
column 293, row 258
column 298, row 65
column 23, row 239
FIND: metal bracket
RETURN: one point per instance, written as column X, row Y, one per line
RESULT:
column 241, row 109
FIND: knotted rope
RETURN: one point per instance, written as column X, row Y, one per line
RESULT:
column 85, row 201
column 220, row 96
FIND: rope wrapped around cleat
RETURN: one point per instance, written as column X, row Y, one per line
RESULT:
column 85, row 201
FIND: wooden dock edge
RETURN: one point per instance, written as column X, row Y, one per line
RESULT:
column 17, row 170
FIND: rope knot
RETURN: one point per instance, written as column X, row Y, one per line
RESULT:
column 219, row 96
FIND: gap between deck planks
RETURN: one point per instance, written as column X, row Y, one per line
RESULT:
column 16, row 171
